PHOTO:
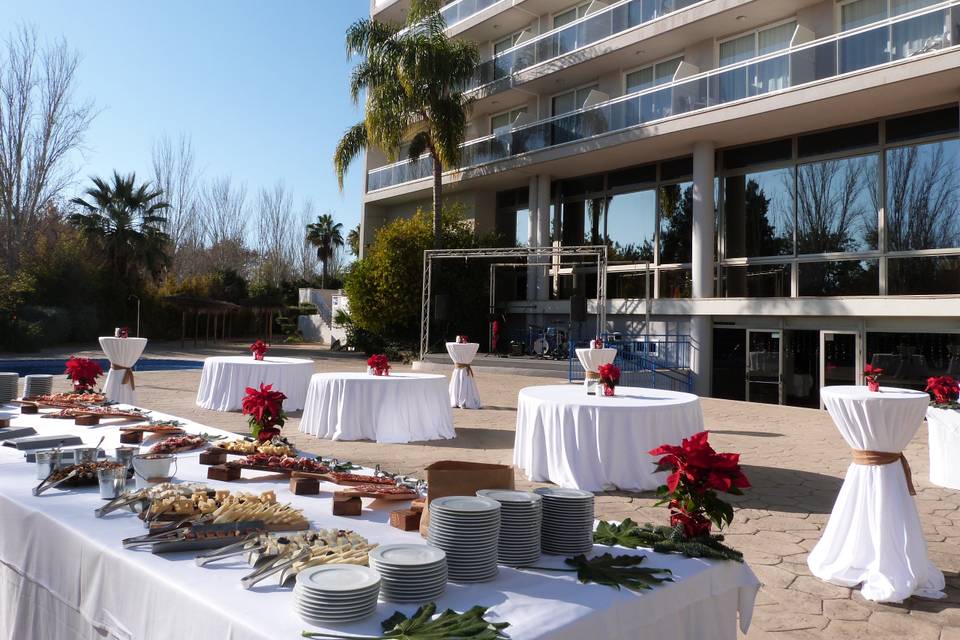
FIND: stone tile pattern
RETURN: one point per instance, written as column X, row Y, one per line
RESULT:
column 794, row 457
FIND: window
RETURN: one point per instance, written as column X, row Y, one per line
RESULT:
column 908, row 359
column 570, row 15
column 884, row 43
column 923, row 203
column 659, row 73
column 502, row 63
column 571, row 100
column 762, row 77
column 757, row 281
column 676, row 223
column 758, row 214
column 503, row 122
column 839, row 278
column 859, row 13
column 570, row 39
column 837, row 205
column 502, row 45
column 923, row 276
column 631, row 226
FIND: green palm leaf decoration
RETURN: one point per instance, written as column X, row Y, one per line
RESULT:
column 631, row 535
column 423, row 626
column 619, row 571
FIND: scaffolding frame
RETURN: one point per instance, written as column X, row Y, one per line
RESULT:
column 501, row 253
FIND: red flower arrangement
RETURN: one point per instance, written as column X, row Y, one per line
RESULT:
column 84, row 373
column 379, row 364
column 265, row 408
column 872, row 374
column 259, row 348
column 609, row 377
column 697, row 474
column 945, row 391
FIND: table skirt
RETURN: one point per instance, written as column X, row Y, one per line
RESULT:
column 944, row 443
column 224, row 380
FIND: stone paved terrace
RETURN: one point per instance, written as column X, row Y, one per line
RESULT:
column 794, row 457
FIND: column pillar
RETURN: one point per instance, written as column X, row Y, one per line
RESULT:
column 701, row 327
column 533, row 237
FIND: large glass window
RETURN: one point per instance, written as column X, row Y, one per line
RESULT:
column 935, row 275
column 908, row 359
column 758, row 214
column 676, row 223
column 756, row 281
column 768, row 75
column 631, row 226
column 675, row 283
column 837, row 205
column 659, row 73
column 571, row 100
column 503, row 122
column 839, row 278
column 569, row 39
column 923, row 211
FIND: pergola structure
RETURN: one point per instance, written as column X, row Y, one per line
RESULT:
column 537, row 257
column 217, row 310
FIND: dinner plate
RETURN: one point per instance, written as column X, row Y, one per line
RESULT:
column 463, row 504
column 338, row 578
column 407, row 555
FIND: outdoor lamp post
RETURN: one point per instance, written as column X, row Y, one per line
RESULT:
column 138, row 311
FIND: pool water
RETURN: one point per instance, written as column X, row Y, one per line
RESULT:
column 57, row 366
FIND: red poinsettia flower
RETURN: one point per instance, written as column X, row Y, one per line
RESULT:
column 871, row 370
column 265, row 408
column 259, row 348
column 944, row 389
column 609, row 374
column 379, row 363
column 83, row 372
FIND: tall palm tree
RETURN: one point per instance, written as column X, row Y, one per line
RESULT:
column 353, row 240
column 413, row 80
column 128, row 219
column 326, row 236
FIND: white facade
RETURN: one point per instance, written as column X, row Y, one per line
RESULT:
column 789, row 168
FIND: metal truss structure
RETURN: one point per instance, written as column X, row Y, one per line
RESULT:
column 534, row 257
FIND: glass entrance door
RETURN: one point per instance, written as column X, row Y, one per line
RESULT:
column 764, row 354
column 841, row 358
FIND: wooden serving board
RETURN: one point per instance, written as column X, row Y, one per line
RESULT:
column 385, row 496
column 153, row 429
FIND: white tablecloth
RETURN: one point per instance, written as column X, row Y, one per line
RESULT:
column 64, row 574
column 944, row 430
column 123, row 352
column 598, row 442
column 874, row 535
column 400, row 407
column 225, row 379
column 463, row 387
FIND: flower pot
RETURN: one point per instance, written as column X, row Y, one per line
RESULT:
column 258, row 356
column 873, row 385
column 608, row 390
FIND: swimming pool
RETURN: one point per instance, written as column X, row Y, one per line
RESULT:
column 57, row 366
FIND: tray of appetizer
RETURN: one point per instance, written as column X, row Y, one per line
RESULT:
column 66, row 400
column 381, row 492
column 350, row 479
column 280, row 464
column 100, row 412
column 158, row 427
column 142, row 499
column 195, row 537
column 75, row 475
column 247, row 447
column 180, row 444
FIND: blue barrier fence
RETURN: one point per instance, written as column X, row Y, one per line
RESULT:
column 653, row 361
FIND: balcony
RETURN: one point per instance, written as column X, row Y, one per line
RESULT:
column 495, row 74
column 907, row 36
column 460, row 10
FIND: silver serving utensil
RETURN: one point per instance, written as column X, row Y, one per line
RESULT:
column 47, row 484
column 121, row 501
column 235, row 549
column 275, row 567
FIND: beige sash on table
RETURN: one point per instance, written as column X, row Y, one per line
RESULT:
column 469, row 369
column 127, row 375
column 876, row 458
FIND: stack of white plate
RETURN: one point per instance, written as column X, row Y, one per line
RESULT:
column 37, row 384
column 520, row 520
column 410, row 572
column 335, row 593
column 468, row 529
column 8, row 386
column 567, row 520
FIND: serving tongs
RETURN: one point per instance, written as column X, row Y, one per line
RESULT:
column 282, row 562
column 229, row 551
column 126, row 499
column 47, row 483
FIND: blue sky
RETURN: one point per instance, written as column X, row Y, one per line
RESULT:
column 260, row 86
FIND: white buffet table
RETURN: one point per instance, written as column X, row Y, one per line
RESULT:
column 943, row 426
column 599, row 443
column 225, row 379
column 400, row 407
column 64, row 574
column 123, row 352
column 874, row 535
column 463, row 387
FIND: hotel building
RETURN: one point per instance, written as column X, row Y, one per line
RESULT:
column 789, row 171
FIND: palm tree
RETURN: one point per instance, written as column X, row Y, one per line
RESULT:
column 325, row 235
column 353, row 240
column 128, row 219
column 413, row 80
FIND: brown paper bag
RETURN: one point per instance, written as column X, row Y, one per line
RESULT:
column 457, row 478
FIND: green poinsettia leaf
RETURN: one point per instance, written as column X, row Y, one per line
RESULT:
column 619, row 571
column 624, row 534
column 664, row 540
column 422, row 625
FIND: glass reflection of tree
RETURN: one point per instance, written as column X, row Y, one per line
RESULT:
column 764, row 240
column 922, row 198
column 836, row 212
column 676, row 223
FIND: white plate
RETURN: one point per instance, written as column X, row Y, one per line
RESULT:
column 338, row 578
column 334, row 610
column 464, row 504
column 560, row 493
column 323, row 622
column 406, row 555
column 509, row 497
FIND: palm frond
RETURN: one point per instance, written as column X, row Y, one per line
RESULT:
column 353, row 142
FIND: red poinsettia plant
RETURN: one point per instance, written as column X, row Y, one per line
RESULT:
column 265, row 408
column 697, row 473
column 945, row 391
column 259, row 348
column 609, row 377
column 379, row 364
column 872, row 375
column 84, row 373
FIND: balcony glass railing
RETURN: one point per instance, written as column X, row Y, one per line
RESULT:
column 460, row 10
column 588, row 30
column 895, row 39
